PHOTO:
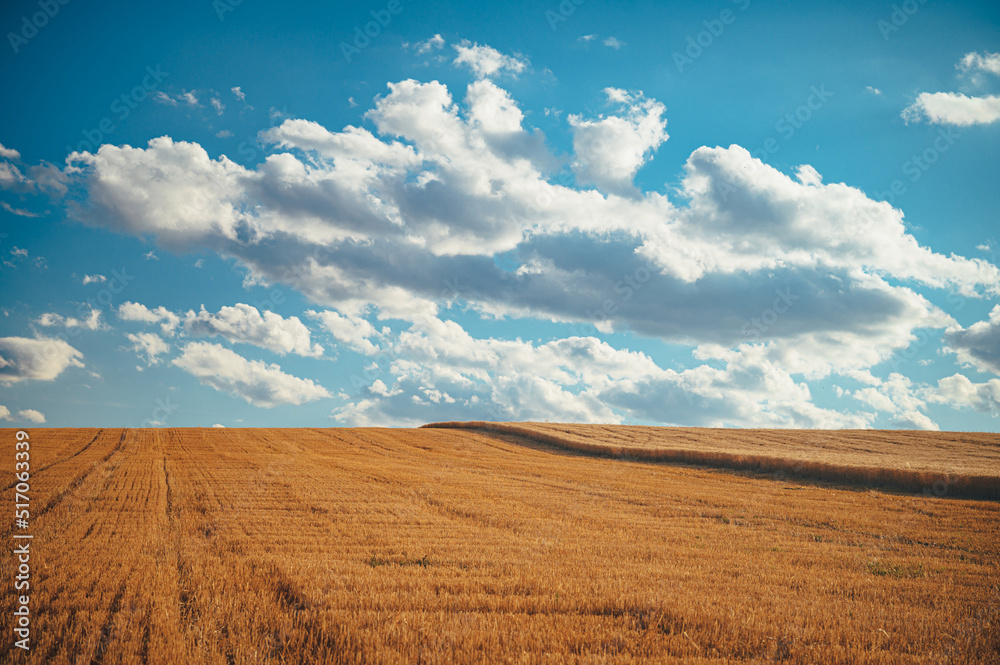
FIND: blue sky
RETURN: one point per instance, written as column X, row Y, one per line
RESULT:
column 730, row 214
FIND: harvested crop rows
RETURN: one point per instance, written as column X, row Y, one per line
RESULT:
column 449, row 545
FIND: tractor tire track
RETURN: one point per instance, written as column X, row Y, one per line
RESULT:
column 60, row 461
column 75, row 483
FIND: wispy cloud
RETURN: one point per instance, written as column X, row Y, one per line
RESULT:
column 980, row 62
column 20, row 212
column 485, row 61
column 955, row 108
column 435, row 43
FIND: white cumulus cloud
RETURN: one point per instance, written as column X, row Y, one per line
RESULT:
column 485, row 61
column 772, row 278
column 149, row 346
column 133, row 311
column 353, row 331
column 980, row 62
column 31, row 415
column 959, row 391
column 41, row 358
column 953, row 108
column 257, row 382
column 900, row 399
column 9, row 153
column 246, row 325
column 91, row 320
column 611, row 149
column 979, row 344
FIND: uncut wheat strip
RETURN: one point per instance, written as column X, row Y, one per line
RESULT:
column 974, row 453
column 954, row 452
column 967, row 486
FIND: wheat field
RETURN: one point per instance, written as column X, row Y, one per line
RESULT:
column 965, row 464
column 441, row 545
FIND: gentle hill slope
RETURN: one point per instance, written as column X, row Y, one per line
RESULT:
column 965, row 464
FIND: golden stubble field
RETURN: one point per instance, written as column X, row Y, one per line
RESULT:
column 451, row 545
